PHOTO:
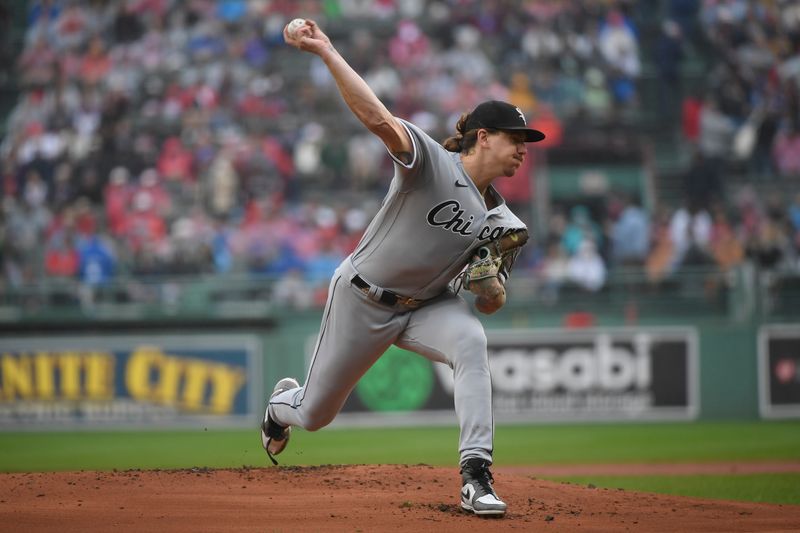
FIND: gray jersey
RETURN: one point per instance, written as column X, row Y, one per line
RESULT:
column 430, row 222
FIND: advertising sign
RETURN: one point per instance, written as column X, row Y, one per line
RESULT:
column 130, row 380
column 539, row 375
column 779, row 371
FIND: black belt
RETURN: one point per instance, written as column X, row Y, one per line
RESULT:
column 387, row 297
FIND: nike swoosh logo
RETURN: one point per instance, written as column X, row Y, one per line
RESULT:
column 459, row 184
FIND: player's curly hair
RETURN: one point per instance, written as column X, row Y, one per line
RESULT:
column 463, row 140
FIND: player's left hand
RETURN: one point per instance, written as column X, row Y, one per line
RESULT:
column 482, row 281
column 481, row 276
column 490, row 295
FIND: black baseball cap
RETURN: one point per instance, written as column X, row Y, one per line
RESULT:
column 497, row 115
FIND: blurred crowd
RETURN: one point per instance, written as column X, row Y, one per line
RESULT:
column 581, row 253
column 742, row 121
column 161, row 138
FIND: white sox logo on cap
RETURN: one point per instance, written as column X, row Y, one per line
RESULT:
column 494, row 114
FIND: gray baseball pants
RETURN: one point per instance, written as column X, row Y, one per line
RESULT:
column 356, row 331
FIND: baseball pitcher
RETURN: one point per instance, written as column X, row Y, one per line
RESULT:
column 442, row 228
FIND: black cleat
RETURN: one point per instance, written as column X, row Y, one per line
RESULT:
column 275, row 437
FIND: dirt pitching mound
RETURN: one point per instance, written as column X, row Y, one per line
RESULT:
column 349, row 498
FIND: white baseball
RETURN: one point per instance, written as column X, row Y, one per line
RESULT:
column 294, row 26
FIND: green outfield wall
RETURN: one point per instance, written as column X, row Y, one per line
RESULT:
column 727, row 353
column 693, row 350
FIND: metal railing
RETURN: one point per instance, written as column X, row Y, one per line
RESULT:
column 737, row 295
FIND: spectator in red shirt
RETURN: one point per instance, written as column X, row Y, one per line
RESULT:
column 118, row 195
column 61, row 257
column 409, row 45
column 175, row 162
column 96, row 64
column 144, row 226
column 162, row 201
column 690, row 117
column 85, row 219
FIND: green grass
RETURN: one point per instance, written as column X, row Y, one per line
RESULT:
column 514, row 445
column 771, row 488
column 636, row 443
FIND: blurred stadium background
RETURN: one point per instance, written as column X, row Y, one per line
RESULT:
column 178, row 186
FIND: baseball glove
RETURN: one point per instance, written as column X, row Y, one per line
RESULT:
column 496, row 256
column 490, row 265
